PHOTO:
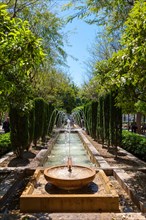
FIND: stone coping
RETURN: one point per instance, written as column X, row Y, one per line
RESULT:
column 94, row 154
column 122, row 177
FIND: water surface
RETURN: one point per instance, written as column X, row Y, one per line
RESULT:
column 68, row 144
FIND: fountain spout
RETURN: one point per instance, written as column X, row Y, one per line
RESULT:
column 69, row 164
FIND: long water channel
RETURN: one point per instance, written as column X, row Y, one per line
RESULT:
column 68, row 144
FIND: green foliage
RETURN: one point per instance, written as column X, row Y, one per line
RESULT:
column 31, row 121
column 100, row 120
column 52, row 112
column 110, row 14
column 125, row 71
column 141, row 107
column 69, row 101
column 45, row 118
column 44, row 24
column 88, row 117
column 134, row 143
column 103, row 120
column 5, row 143
column 115, row 121
column 94, row 107
column 57, row 88
column 106, row 119
column 129, row 64
column 78, row 108
column 29, row 126
column 20, row 54
column 132, row 59
column 39, row 105
column 19, row 134
column 22, row 75
column 78, row 114
column 46, row 121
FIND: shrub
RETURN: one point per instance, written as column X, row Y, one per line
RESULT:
column 19, row 131
column 39, row 112
column 134, row 143
column 31, row 121
column 5, row 143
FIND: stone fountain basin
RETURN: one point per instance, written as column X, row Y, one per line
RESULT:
column 79, row 177
column 41, row 196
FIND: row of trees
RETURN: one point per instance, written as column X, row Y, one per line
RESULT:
column 30, row 53
column 117, row 66
column 119, row 60
column 31, row 49
column 103, row 120
column 30, row 126
column 21, row 52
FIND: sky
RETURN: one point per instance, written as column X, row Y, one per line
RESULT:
column 81, row 40
column 81, row 36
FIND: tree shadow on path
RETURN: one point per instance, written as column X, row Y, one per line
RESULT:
column 21, row 162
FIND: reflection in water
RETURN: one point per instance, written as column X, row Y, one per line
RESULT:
column 59, row 153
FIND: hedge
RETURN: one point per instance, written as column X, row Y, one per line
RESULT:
column 134, row 143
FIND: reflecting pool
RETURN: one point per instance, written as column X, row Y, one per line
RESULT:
column 67, row 145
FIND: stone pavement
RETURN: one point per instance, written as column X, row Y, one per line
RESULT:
column 75, row 216
column 98, row 216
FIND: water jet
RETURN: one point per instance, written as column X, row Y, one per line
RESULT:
column 69, row 176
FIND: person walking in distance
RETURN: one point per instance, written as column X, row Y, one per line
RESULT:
column 6, row 125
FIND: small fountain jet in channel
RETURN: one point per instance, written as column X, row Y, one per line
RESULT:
column 69, row 164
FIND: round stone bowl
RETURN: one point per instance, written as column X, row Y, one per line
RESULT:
column 79, row 176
